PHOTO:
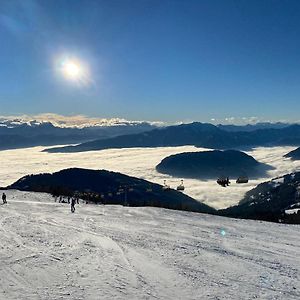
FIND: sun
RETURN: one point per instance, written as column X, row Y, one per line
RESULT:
column 72, row 70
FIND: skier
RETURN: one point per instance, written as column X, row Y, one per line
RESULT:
column 4, row 198
column 73, row 204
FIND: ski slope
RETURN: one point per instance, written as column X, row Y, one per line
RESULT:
column 114, row 252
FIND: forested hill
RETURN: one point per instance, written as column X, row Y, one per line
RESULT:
column 212, row 164
column 109, row 188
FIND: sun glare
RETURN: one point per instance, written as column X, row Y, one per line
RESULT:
column 74, row 70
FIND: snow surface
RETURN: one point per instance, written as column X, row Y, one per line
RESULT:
column 115, row 252
column 141, row 162
column 292, row 211
column 278, row 180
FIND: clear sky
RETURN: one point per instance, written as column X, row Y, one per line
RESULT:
column 163, row 60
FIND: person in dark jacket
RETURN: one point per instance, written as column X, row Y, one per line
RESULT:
column 4, row 198
column 73, row 201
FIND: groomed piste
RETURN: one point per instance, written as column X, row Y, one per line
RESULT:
column 116, row 252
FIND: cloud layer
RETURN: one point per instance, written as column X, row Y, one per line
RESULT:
column 141, row 163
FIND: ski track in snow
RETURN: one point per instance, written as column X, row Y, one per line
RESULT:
column 115, row 252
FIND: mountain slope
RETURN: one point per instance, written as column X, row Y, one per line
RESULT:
column 269, row 200
column 197, row 134
column 113, row 252
column 294, row 155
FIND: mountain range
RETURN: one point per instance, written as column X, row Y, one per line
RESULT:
column 196, row 134
column 253, row 127
column 18, row 134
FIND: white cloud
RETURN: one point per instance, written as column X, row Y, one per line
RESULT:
column 237, row 120
column 252, row 120
column 140, row 162
column 79, row 121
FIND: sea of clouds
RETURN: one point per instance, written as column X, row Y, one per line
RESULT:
column 141, row 162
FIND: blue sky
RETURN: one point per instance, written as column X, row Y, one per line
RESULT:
column 152, row 60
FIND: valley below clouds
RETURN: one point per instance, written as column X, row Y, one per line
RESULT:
column 141, row 162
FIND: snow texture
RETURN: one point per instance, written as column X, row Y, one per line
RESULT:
column 115, row 252
column 292, row 211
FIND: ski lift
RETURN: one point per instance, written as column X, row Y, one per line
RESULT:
column 180, row 186
column 223, row 181
column 165, row 186
column 242, row 179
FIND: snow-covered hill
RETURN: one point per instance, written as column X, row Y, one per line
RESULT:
column 114, row 252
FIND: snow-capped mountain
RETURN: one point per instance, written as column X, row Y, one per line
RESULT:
column 19, row 132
